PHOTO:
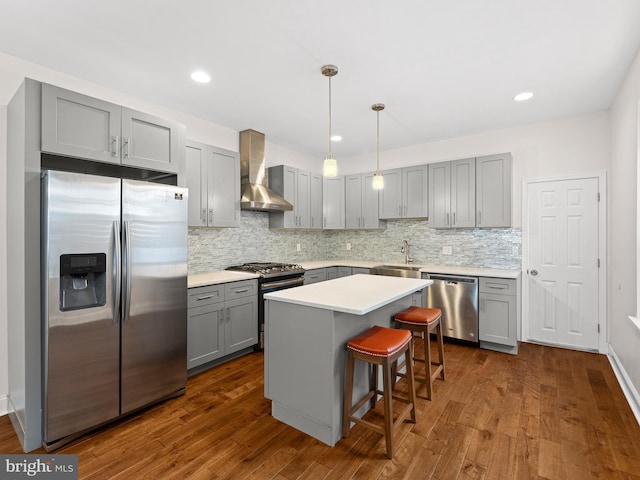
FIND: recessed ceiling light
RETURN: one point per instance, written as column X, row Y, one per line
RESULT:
column 200, row 77
column 521, row 97
column 336, row 138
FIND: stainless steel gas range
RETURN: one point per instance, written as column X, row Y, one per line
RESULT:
column 273, row 277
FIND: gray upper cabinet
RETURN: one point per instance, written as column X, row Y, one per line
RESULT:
column 316, row 201
column 390, row 197
column 361, row 202
column 493, row 190
column 333, row 202
column 405, row 193
column 213, row 178
column 80, row 126
column 303, row 190
column 452, row 194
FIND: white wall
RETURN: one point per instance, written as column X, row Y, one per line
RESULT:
column 623, row 234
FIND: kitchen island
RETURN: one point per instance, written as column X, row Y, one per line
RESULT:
column 306, row 331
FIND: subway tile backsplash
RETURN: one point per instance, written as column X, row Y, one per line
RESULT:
column 212, row 249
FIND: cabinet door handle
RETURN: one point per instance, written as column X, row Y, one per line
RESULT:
column 203, row 216
column 454, row 218
column 242, row 290
column 479, row 218
column 115, row 140
column 447, row 219
column 497, row 286
column 125, row 145
column 210, row 215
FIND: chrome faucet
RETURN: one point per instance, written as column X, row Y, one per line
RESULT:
column 405, row 249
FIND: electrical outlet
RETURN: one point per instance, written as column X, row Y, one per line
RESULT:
column 447, row 250
column 348, row 246
column 515, row 250
column 297, row 247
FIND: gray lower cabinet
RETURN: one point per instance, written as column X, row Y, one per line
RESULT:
column 329, row 273
column 80, row 126
column 405, row 193
column 493, row 190
column 213, row 179
column 315, row 275
column 498, row 314
column 222, row 319
column 344, row 272
column 357, row 270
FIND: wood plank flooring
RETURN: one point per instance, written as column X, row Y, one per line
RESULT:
column 547, row 413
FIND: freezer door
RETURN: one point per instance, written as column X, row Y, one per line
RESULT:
column 81, row 331
column 154, row 285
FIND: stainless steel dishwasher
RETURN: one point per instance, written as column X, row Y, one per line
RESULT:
column 457, row 297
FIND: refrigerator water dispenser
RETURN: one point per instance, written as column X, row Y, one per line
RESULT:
column 83, row 281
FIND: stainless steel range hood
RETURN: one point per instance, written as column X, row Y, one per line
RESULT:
column 255, row 194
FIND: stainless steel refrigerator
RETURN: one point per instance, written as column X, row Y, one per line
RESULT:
column 114, row 261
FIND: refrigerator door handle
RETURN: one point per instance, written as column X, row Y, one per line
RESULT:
column 117, row 272
column 126, row 287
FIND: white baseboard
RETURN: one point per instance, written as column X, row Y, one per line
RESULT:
column 627, row 386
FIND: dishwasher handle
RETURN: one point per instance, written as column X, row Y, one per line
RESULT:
column 453, row 279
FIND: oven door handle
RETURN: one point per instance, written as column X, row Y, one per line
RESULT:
column 272, row 286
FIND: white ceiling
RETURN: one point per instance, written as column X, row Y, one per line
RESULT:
column 443, row 68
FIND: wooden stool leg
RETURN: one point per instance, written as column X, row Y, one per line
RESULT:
column 348, row 394
column 440, row 348
column 427, row 362
column 374, row 384
column 411, row 380
column 388, row 407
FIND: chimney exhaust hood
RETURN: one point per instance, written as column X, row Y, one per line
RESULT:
column 255, row 194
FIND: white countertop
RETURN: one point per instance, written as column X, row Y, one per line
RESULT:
column 424, row 267
column 213, row 278
column 224, row 276
column 356, row 294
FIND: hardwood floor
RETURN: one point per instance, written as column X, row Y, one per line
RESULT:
column 547, row 413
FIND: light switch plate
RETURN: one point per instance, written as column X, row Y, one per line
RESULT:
column 447, row 250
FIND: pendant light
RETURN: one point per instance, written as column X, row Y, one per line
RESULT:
column 378, row 179
column 330, row 168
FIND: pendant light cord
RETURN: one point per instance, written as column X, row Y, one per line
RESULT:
column 330, row 156
column 378, row 141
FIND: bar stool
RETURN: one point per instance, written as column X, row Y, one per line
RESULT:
column 424, row 320
column 379, row 346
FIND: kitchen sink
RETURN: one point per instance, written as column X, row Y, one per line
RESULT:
column 407, row 271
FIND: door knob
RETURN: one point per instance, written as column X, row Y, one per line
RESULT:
column 534, row 272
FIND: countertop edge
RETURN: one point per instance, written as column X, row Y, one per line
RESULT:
column 326, row 303
column 215, row 278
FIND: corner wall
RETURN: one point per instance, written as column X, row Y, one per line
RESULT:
column 624, row 336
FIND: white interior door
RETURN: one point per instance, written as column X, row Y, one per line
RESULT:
column 562, row 262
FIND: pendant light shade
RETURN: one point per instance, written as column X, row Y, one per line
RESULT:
column 330, row 168
column 378, row 179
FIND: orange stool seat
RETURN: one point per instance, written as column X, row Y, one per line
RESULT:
column 379, row 346
column 423, row 320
